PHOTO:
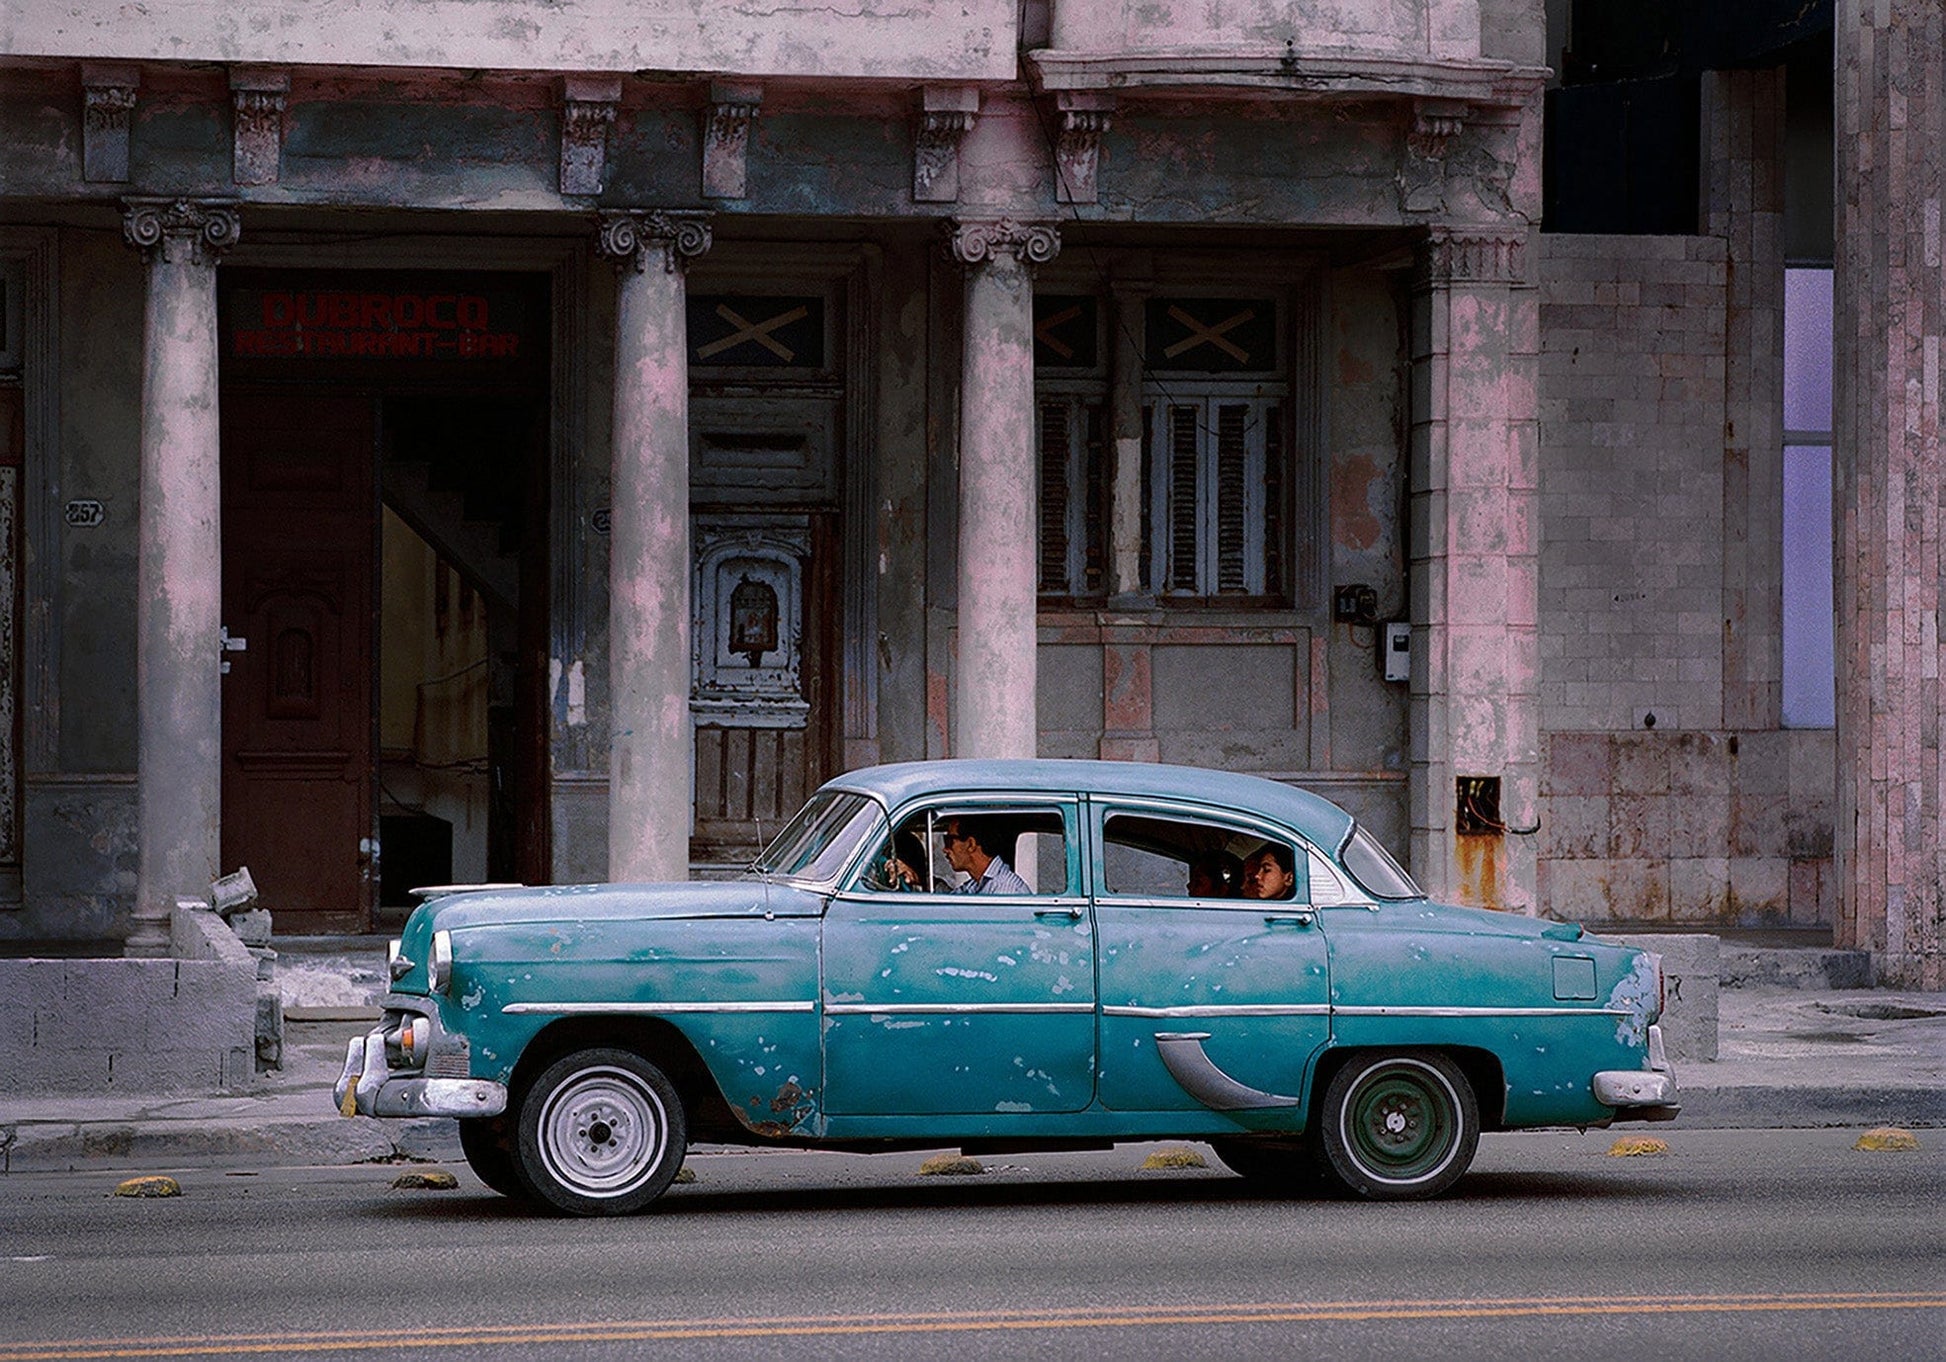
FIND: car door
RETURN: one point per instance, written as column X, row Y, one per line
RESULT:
column 937, row 1002
column 1207, row 1000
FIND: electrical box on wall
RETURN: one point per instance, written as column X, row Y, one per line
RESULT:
column 1396, row 655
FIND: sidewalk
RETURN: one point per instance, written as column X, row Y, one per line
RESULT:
column 1788, row 1058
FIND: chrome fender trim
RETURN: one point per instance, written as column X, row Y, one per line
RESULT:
column 1183, row 1055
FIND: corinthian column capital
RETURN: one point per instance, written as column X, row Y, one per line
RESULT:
column 191, row 231
column 673, row 236
column 975, row 241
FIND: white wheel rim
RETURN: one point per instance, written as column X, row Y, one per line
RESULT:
column 603, row 1133
column 1392, row 1121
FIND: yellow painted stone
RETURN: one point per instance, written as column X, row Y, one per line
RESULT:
column 150, row 1186
column 1887, row 1140
column 1174, row 1157
column 950, row 1166
column 436, row 1180
column 1635, row 1146
column 685, row 1176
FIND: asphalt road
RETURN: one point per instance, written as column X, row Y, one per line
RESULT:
column 1733, row 1244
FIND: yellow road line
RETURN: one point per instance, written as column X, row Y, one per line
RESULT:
column 1129, row 1316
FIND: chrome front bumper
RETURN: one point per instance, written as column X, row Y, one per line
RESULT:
column 1641, row 1094
column 369, row 1085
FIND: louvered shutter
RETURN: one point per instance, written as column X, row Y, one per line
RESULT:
column 1055, row 428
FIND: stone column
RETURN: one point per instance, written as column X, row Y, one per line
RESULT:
column 999, row 505
column 650, row 803
column 1889, row 317
column 1475, row 693
column 179, row 578
column 1743, row 203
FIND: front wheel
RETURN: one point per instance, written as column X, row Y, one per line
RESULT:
column 1400, row 1126
column 601, row 1133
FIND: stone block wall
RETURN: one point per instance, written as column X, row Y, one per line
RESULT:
column 1661, row 801
column 181, row 1025
column 1688, row 829
column 1632, row 412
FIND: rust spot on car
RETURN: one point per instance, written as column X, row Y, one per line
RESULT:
column 788, row 1097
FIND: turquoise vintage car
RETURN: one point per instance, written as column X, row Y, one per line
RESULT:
column 1010, row 955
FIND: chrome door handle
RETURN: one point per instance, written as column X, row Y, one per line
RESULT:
column 1289, row 919
column 1071, row 914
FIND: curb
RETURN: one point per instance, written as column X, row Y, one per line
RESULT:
column 1770, row 1108
column 50, row 1147
column 330, row 1140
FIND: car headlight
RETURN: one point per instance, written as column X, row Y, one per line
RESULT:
column 439, row 973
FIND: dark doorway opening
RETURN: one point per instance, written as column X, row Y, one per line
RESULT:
column 385, row 505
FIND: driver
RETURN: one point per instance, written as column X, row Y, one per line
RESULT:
column 966, row 849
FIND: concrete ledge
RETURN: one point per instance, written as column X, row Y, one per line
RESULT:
column 1795, row 967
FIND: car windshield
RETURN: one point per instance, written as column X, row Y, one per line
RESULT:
column 1375, row 870
column 819, row 842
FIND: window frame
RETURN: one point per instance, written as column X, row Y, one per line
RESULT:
column 1086, row 402
column 1234, row 821
column 1125, row 281
column 937, row 809
column 1264, row 567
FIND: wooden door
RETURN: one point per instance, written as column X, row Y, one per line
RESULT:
column 762, row 700
column 299, row 515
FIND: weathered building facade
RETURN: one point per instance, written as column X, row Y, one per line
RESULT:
column 593, row 426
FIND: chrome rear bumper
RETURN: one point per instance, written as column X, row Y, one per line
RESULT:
column 1641, row 1094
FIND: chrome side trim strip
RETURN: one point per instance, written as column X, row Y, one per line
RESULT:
column 1183, row 1055
column 1223, row 1010
column 648, row 1009
column 1480, row 1011
column 950, row 1009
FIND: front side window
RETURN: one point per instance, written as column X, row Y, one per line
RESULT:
column 985, row 849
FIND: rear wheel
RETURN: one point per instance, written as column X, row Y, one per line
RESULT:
column 1401, row 1126
column 601, row 1132
column 487, row 1142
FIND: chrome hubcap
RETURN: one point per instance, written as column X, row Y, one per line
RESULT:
column 603, row 1133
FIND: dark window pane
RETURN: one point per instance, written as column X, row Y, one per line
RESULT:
column 1231, row 421
column 1054, row 496
column 1182, row 498
column 1094, row 528
column 1274, row 499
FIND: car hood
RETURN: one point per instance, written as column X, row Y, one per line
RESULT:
column 752, row 897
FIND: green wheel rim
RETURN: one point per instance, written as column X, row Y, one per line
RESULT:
column 1401, row 1123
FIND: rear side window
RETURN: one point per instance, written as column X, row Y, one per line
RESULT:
column 1145, row 856
column 1377, row 873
